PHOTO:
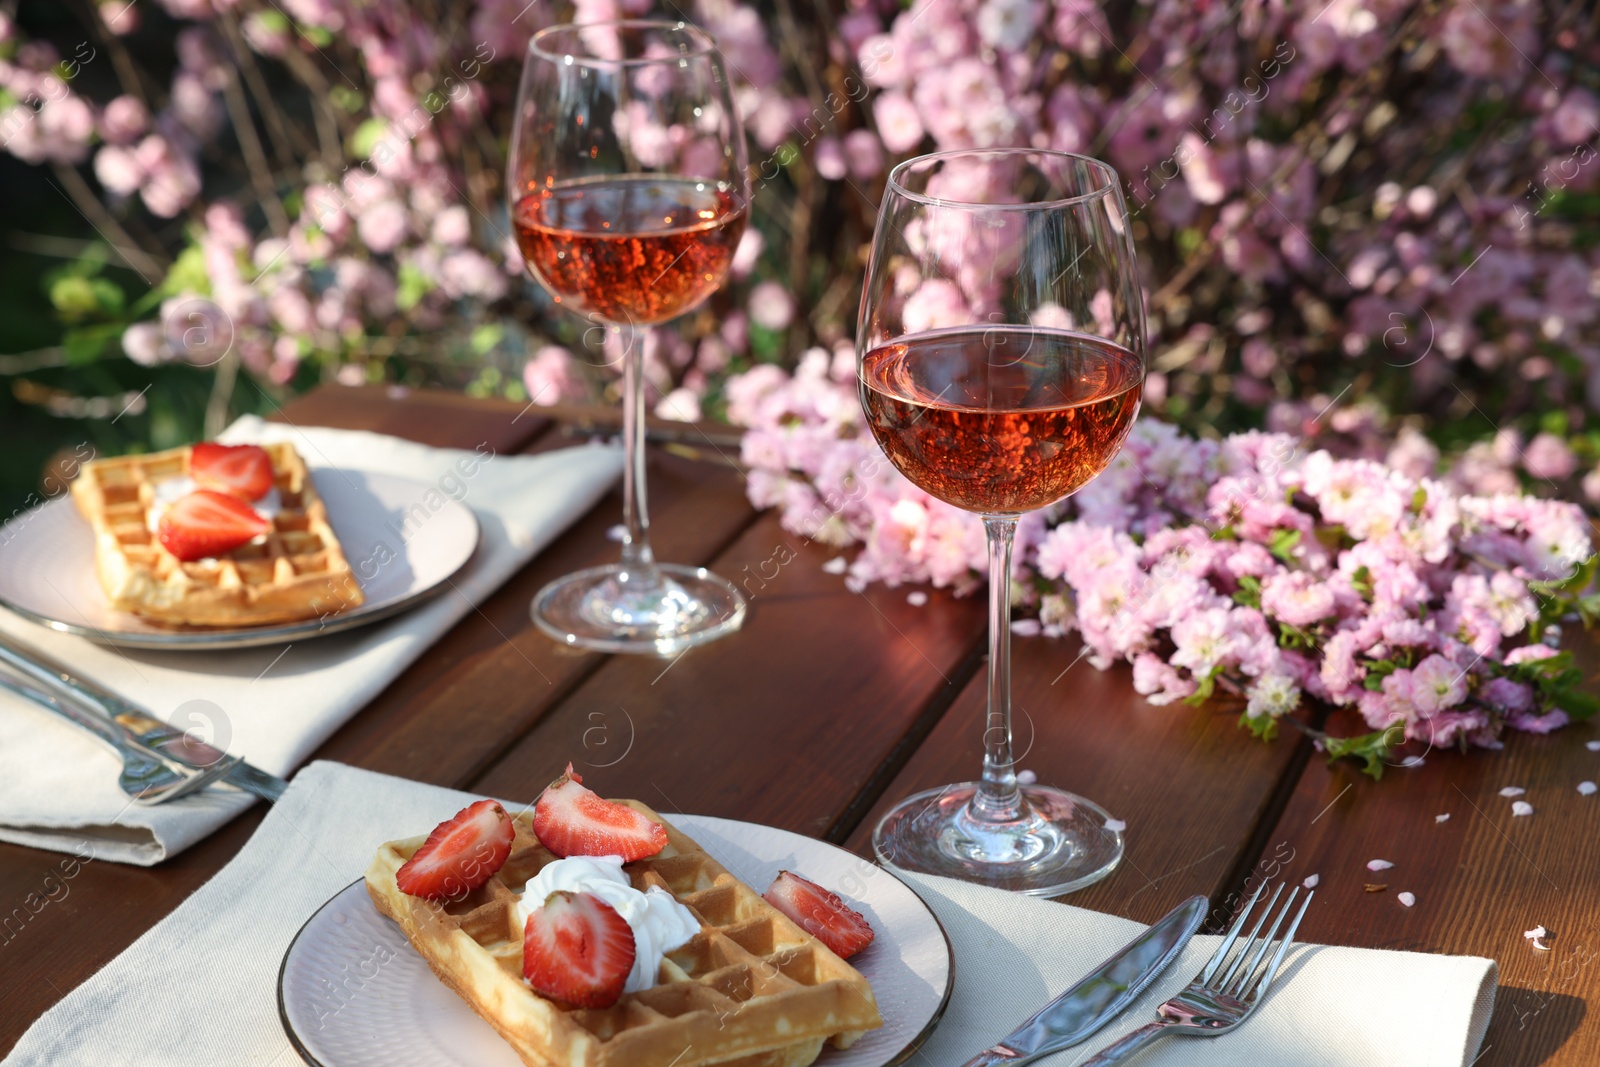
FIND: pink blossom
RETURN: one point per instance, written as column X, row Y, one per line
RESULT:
column 771, row 306
column 1547, row 456
column 898, row 123
column 1436, row 684
column 1157, row 681
column 1296, row 598
column 382, row 226
column 548, row 375
column 863, row 155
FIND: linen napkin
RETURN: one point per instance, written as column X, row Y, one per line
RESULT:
column 1328, row 1007
column 207, row 973
column 273, row 705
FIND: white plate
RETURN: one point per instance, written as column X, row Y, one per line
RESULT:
column 47, row 570
column 352, row 991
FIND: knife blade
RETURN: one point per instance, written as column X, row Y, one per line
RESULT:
column 1101, row 994
column 136, row 724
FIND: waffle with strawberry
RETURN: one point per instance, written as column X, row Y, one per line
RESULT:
column 214, row 535
column 750, row 989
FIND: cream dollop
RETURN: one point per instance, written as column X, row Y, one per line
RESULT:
column 659, row 923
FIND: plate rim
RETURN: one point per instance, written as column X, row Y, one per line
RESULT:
column 904, row 1055
column 254, row 636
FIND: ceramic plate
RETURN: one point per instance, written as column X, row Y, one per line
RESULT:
column 354, row 993
column 47, row 570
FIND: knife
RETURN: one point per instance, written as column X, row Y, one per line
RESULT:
column 138, row 726
column 1101, row 994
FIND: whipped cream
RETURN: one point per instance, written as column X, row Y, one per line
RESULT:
column 659, row 923
column 169, row 491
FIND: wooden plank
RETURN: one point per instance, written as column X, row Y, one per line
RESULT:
column 782, row 723
column 1480, row 878
column 428, row 416
column 1191, row 786
column 490, row 679
column 97, row 913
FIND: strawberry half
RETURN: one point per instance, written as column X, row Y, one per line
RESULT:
column 245, row 471
column 577, row 950
column 461, row 854
column 571, row 820
column 820, row 913
column 207, row 523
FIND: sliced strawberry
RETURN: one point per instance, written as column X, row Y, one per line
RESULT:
column 207, row 523
column 571, row 820
column 820, row 913
column 245, row 471
column 461, row 854
column 577, row 950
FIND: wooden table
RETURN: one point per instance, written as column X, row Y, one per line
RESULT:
column 829, row 705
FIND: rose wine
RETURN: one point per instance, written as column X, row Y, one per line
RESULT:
column 639, row 249
column 1001, row 420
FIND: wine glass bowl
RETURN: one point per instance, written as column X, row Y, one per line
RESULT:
column 629, row 194
column 1001, row 361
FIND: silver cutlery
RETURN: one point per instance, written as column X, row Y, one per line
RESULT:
column 1220, row 999
column 146, row 777
column 1101, row 994
column 139, row 728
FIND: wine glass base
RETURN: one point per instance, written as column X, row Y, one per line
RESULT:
column 1060, row 843
column 618, row 608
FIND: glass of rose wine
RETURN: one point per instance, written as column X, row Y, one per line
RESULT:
column 1001, row 360
column 629, row 195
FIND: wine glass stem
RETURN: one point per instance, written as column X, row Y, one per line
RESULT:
column 636, row 554
column 998, row 799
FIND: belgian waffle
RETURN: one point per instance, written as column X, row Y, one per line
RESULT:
column 750, row 990
column 296, row 571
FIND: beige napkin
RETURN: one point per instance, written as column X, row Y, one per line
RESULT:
column 1329, row 1007
column 201, row 986
column 277, row 704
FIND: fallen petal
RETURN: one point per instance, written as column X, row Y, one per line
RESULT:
column 916, row 598
column 836, row 565
column 1116, row 826
column 1378, row 865
column 1442, row 818
column 1026, row 777
column 1512, row 791
column 1407, row 899
column 1535, row 933
column 1592, row 746
column 1521, row 807
column 1586, row 788
column 1311, row 881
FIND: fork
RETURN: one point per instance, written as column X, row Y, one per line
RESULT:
column 147, row 777
column 1219, row 1000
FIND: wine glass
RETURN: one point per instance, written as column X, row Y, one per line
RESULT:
column 1001, row 360
column 629, row 195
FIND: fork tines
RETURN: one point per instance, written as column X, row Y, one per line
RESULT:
column 1245, row 979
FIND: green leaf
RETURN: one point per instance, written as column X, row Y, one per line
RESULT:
column 414, row 285
column 486, row 337
column 1263, row 726
column 1371, row 749
column 1205, row 686
column 74, row 298
column 1575, row 702
column 1282, row 544
column 85, row 344
column 366, row 137
column 1249, row 592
